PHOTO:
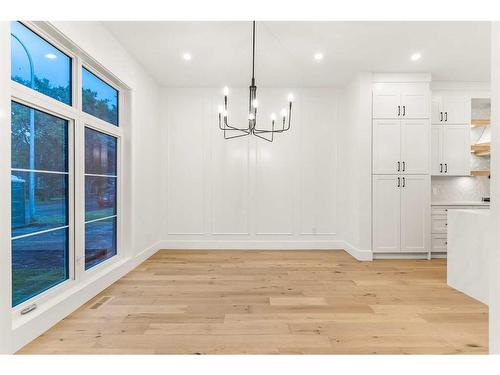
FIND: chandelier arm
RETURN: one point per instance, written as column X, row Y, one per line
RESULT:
column 235, row 136
column 265, row 138
column 229, row 127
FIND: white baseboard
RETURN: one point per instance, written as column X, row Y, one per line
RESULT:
column 400, row 256
column 52, row 312
column 251, row 245
column 363, row 255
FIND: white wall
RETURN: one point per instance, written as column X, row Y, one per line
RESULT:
column 494, row 299
column 355, row 164
column 247, row 193
column 141, row 209
column 5, row 275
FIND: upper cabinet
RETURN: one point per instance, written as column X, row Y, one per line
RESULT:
column 401, row 101
column 450, row 109
column 401, row 146
column 450, row 155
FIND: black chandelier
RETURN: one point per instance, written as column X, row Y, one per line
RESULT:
column 268, row 135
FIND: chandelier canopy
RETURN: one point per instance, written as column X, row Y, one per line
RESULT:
column 231, row 131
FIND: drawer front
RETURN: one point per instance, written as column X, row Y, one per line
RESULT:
column 439, row 225
column 439, row 211
column 439, row 244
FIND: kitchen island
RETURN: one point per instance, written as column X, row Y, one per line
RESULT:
column 468, row 252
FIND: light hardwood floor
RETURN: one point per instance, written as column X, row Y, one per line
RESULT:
column 208, row 302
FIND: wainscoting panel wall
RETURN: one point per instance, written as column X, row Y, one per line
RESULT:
column 185, row 164
column 246, row 192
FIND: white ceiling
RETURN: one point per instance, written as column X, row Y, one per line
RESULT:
column 221, row 51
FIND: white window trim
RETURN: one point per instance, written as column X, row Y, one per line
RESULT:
column 77, row 121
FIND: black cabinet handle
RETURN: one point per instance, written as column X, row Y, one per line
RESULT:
column 404, row 182
column 441, row 116
column 404, row 166
column 399, row 110
column 441, row 168
column 399, row 166
column 446, row 116
column 399, row 182
column 404, row 110
column 445, row 168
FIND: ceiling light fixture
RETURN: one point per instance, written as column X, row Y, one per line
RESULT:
column 318, row 56
column 50, row 56
column 187, row 56
column 266, row 134
column 416, row 56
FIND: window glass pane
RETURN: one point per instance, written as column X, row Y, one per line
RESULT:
column 100, row 197
column 100, row 241
column 39, row 262
column 37, row 64
column 98, row 98
column 39, row 201
column 38, row 135
column 41, row 208
column 100, row 153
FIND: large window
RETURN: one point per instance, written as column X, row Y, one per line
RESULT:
column 65, row 221
column 100, row 197
column 98, row 98
column 39, row 186
column 39, row 65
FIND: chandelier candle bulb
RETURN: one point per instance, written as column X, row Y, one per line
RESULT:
column 290, row 97
column 226, row 91
column 220, row 109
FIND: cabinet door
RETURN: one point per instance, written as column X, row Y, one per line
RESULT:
column 456, row 110
column 386, row 146
column 437, row 110
column 386, row 214
column 456, row 150
column 415, row 147
column 415, row 104
column 415, row 213
column 386, row 103
column 437, row 150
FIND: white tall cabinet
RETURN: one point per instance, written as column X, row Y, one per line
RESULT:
column 401, row 168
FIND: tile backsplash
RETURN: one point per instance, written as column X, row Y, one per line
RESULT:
column 460, row 188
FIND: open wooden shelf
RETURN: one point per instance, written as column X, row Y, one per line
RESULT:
column 481, row 149
column 480, row 173
column 480, row 122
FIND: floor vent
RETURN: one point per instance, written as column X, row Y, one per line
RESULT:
column 99, row 303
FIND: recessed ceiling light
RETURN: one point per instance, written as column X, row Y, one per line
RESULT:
column 318, row 56
column 50, row 56
column 187, row 56
column 416, row 56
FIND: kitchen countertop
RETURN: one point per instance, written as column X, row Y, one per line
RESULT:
column 460, row 203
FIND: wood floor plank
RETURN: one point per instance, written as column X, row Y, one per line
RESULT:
column 273, row 302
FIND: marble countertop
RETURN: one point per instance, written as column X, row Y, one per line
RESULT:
column 460, row 203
